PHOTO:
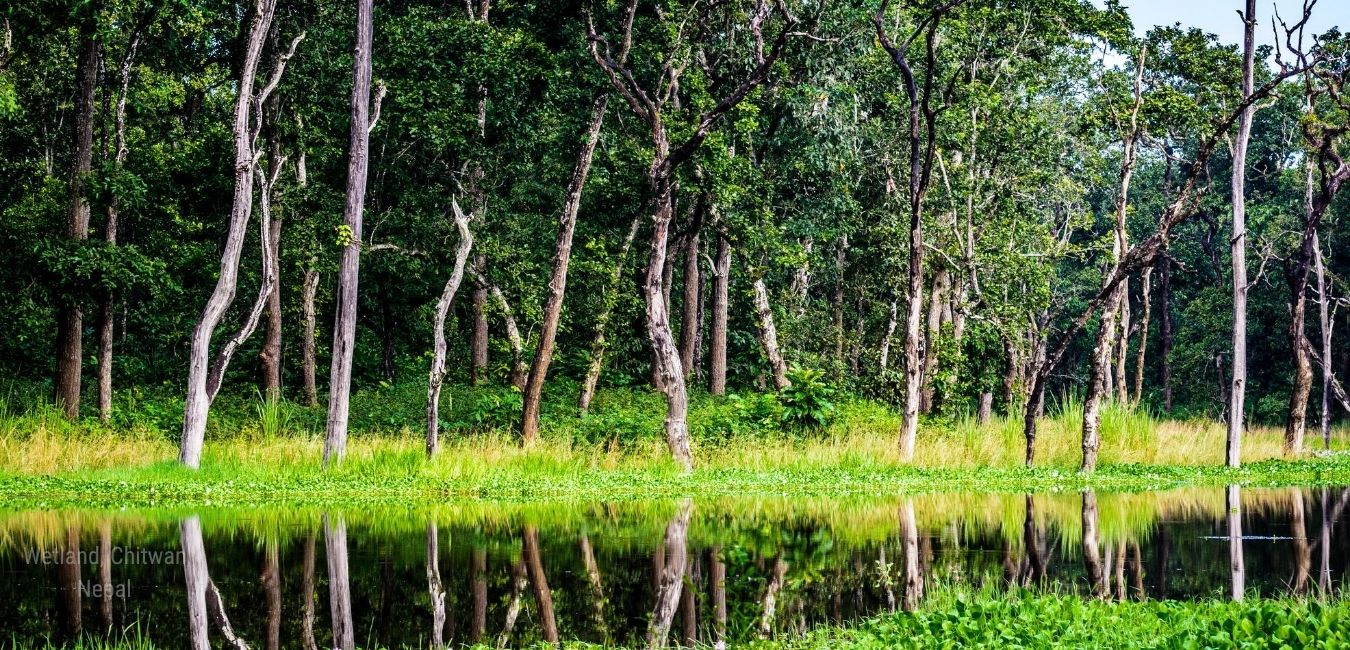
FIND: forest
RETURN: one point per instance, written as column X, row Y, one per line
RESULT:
column 272, row 253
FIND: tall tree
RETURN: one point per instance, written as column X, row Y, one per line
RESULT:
column 358, row 163
column 1238, row 394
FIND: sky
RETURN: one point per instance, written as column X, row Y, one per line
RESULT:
column 1220, row 17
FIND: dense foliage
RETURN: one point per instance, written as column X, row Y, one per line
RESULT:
column 803, row 180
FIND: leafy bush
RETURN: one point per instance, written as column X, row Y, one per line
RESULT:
column 807, row 402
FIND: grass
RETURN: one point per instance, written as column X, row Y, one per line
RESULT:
column 969, row 618
column 269, row 449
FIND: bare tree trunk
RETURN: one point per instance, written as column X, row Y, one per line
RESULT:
column 1296, row 424
column 769, row 604
column 666, row 356
column 70, row 589
column 1165, row 330
column 309, row 364
column 1092, row 402
column 270, row 356
column 557, row 285
column 909, row 534
column 105, row 562
column 942, row 281
column 339, row 583
column 1235, row 560
column 1092, row 558
column 1146, row 302
column 1238, row 394
column 1326, row 325
column 513, row 337
column 986, row 410
column 717, row 353
column 768, row 336
column 598, row 345
column 1122, row 351
column 519, row 580
column 671, row 577
column 358, row 162
column 1034, row 543
column 478, row 356
column 690, row 336
column 70, row 318
column 198, row 400
column 437, row 374
column 434, row 587
column 108, row 310
column 534, row 564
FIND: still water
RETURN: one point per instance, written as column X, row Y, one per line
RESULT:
column 616, row 572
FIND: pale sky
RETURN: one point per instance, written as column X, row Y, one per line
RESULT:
column 1220, row 17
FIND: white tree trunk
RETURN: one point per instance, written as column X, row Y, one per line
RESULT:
column 437, row 374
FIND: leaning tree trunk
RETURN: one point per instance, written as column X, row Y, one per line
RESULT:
column 434, row 587
column 1238, row 393
column 70, row 319
column 557, row 285
column 198, row 400
column 768, row 336
column 358, row 162
column 439, row 346
column 534, row 566
column 598, row 345
column 717, row 344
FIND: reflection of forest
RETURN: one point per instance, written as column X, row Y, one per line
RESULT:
column 641, row 573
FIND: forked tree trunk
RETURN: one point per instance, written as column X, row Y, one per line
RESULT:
column 439, row 346
column 557, row 285
column 309, row 363
column 198, row 400
column 358, row 162
column 768, row 336
column 70, row 318
column 1237, row 395
column 599, row 343
column 717, row 345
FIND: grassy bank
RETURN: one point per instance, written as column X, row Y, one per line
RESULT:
column 269, row 452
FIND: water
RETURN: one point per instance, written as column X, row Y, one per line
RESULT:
column 602, row 572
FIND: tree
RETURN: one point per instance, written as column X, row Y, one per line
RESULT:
column 1237, row 396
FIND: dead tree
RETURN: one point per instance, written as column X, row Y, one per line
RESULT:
column 439, row 346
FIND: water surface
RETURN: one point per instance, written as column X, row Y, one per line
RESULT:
column 617, row 572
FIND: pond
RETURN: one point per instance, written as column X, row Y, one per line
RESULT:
column 699, row 570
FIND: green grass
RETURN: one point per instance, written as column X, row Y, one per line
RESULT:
column 267, row 450
column 968, row 619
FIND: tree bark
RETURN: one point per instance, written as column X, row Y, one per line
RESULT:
column 717, row 352
column 557, row 285
column 1238, row 393
column 105, row 562
column 768, row 336
column 840, row 259
column 70, row 589
column 1146, row 302
column 942, row 283
column 478, row 585
column 478, row 356
column 198, row 400
column 307, row 595
column 197, row 581
column 437, row 374
column 597, row 587
column 513, row 337
column 309, row 363
column 1092, row 402
column 358, row 162
column 885, row 352
column 339, row 583
column 690, row 336
column 1165, row 333
column 717, row 579
column 1326, row 325
column 70, row 319
column 270, row 355
column 769, row 604
column 271, row 583
column 666, row 356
